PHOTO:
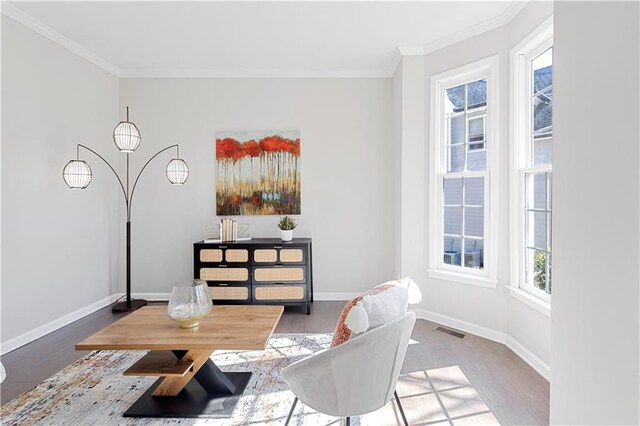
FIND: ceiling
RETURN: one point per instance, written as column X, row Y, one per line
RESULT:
column 257, row 39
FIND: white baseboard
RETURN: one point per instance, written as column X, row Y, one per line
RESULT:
column 478, row 330
column 488, row 333
column 497, row 336
column 527, row 356
column 320, row 297
column 52, row 326
column 334, row 296
column 152, row 297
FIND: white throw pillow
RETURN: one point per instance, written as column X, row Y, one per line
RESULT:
column 377, row 309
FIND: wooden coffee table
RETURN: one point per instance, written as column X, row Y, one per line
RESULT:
column 190, row 384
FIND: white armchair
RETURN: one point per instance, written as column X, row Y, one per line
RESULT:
column 356, row 377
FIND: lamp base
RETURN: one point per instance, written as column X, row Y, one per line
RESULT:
column 125, row 307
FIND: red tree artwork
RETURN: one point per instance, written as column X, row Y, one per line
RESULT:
column 258, row 173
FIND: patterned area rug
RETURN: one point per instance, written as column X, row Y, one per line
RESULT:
column 93, row 391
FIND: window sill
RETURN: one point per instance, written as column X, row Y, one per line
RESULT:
column 536, row 303
column 463, row 278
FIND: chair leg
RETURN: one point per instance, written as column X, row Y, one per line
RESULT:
column 295, row 401
column 404, row 418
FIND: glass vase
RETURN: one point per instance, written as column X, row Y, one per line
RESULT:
column 190, row 302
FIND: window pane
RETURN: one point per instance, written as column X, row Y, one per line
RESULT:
column 542, row 70
column 477, row 161
column 474, row 191
column 456, row 127
column 455, row 95
column 452, row 249
column 453, row 220
column 536, row 191
column 537, row 230
column 474, row 253
column 452, row 190
column 536, row 268
column 477, row 94
column 542, row 151
column 474, row 221
column 542, row 108
column 456, row 158
column 476, row 129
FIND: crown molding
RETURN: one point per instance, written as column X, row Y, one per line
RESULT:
column 47, row 32
column 411, row 50
column 488, row 25
column 256, row 73
column 28, row 21
column 515, row 8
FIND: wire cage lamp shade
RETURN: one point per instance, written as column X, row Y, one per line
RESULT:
column 77, row 174
column 177, row 171
column 126, row 136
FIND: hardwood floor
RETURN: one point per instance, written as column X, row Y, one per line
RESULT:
column 446, row 380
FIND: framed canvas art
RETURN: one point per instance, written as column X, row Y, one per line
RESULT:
column 258, row 173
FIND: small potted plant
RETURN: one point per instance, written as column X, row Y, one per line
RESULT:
column 287, row 225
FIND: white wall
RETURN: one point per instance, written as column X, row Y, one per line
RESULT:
column 58, row 245
column 347, row 172
column 412, row 170
column 397, row 170
column 492, row 312
column 595, row 376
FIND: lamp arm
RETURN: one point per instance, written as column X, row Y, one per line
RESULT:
column 124, row 192
column 135, row 183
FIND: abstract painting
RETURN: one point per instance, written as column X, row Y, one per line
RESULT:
column 258, row 173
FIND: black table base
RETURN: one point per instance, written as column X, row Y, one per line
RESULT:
column 192, row 401
column 209, row 394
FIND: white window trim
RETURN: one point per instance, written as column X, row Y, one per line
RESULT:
column 483, row 69
column 520, row 124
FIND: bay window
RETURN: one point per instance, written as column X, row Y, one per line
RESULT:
column 463, row 151
column 532, row 159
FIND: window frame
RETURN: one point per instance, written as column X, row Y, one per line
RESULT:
column 521, row 164
column 486, row 69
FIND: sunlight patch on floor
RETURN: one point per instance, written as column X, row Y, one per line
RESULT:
column 440, row 396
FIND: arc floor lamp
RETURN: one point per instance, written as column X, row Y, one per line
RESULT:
column 77, row 175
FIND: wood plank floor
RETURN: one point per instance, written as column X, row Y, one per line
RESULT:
column 446, row 380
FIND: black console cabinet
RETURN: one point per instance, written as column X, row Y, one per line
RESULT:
column 265, row 271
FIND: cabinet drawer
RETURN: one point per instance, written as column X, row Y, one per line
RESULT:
column 211, row 255
column 278, row 274
column 279, row 255
column 230, row 292
column 223, row 254
column 279, row 292
column 236, row 255
column 224, row 274
column 265, row 255
column 292, row 255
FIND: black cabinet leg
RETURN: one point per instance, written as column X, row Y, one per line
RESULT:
column 308, row 308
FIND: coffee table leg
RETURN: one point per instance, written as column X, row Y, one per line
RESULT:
column 171, row 386
column 204, row 392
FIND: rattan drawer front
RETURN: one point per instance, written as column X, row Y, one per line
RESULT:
column 224, row 274
column 291, row 255
column 211, row 255
column 236, row 255
column 279, row 292
column 229, row 293
column 265, row 255
column 278, row 274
